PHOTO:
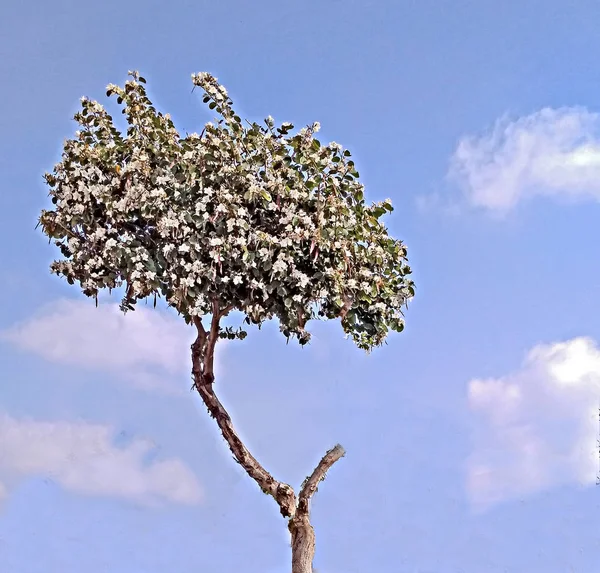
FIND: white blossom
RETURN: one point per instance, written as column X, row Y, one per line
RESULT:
column 220, row 215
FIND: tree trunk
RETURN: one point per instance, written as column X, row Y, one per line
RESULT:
column 295, row 508
column 303, row 543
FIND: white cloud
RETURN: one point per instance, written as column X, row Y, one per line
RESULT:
column 149, row 347
column 537, row 428
column 83, row 459
column 553, row 152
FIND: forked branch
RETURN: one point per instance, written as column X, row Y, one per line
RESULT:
column 203, row 350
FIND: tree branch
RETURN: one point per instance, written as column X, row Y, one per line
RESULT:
column 309, row 487
column 199, row 326
column 213, row 336
column 226, row 311
column 203, row 350
column 281, row 492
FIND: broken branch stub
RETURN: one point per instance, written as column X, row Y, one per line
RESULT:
column 309, row 487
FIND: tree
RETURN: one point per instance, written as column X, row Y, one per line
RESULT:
column 241, row 217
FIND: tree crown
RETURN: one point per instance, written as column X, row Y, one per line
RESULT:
column 246, row 217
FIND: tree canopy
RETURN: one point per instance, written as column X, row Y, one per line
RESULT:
column 251, row 217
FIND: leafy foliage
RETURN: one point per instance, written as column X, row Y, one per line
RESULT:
column 263, row 221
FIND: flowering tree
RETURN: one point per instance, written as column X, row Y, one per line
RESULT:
column 240, row 217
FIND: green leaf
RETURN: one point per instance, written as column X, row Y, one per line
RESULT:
column 141, row 79
column 149, row 264
column 212, row 105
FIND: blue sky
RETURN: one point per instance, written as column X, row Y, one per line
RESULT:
column 470, row 437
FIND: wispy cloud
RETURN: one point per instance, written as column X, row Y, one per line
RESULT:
column 553, row 152
column 150, row 348
column 536, row 428
column 84, row 459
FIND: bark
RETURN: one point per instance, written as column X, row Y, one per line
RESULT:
column 297, row 509
column 303, row 544
column 303, row 535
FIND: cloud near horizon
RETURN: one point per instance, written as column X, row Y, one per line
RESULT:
column 83, row 459
column 536, row 428
column 149, row 348
column 551, row 153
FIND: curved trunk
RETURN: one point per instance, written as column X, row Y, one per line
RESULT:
column 296, row 508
